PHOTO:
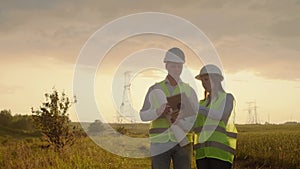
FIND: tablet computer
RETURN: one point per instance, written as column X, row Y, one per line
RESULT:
column 181, row 102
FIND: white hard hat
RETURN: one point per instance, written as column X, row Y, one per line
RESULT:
column 209, row 69
column 174, row 55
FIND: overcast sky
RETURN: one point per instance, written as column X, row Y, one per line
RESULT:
column 40, row 41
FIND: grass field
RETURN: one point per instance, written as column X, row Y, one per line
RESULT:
column 259, row 146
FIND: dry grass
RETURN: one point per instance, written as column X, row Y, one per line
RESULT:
column 273, row 146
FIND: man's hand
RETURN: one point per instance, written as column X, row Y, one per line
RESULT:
column 174, row 116
column 164, row 110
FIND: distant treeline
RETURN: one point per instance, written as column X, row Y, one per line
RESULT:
column 18, row 122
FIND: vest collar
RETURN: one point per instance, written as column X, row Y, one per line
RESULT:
column 168, row 82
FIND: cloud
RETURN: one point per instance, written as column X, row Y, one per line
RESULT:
column 6, row 90
column 264, row 57
column 246, row 33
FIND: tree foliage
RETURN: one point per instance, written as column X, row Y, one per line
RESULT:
column 17, row 121
column 5, row 118
column 22, row 122
column 95, row 127
column 53, row 120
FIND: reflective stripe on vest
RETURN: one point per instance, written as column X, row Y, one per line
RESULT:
column 213, row 138
column 159, row 128
column 215, row 128
column 215, row 144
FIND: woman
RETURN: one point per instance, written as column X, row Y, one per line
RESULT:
column 215, row 132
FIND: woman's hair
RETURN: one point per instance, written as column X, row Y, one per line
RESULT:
column 216, row 80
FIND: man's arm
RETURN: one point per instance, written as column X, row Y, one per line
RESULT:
column 148, row 111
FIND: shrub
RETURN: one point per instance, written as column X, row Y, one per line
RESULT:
column 53, row 120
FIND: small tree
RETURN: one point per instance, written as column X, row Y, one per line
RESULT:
column 53, row 120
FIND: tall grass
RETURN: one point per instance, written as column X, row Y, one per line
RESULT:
column 260, row 146
column 84, row 154
column 272, row 146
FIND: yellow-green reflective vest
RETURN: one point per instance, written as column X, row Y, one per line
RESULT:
column 160, row 128
column 214, row 139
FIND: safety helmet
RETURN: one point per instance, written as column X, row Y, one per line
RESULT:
column 174, row 55
column 209, row 69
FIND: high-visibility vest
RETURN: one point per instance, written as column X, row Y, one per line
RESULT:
column 160, row 131
column 214, row 139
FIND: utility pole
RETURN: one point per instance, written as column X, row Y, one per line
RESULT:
column 127, row 112
column 252, row 112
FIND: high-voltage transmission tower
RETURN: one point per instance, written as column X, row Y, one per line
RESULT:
column 127, row 112
column 252, row 113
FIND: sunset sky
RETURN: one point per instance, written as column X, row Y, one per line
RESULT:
column 258, row 42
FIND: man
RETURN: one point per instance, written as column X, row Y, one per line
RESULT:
column 169, row 129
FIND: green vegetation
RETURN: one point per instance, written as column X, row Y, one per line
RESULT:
column 268, row 146
column 259, row 146
column 52, row 120
column 18, row 122
column 17, row 126
column 84, row 154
